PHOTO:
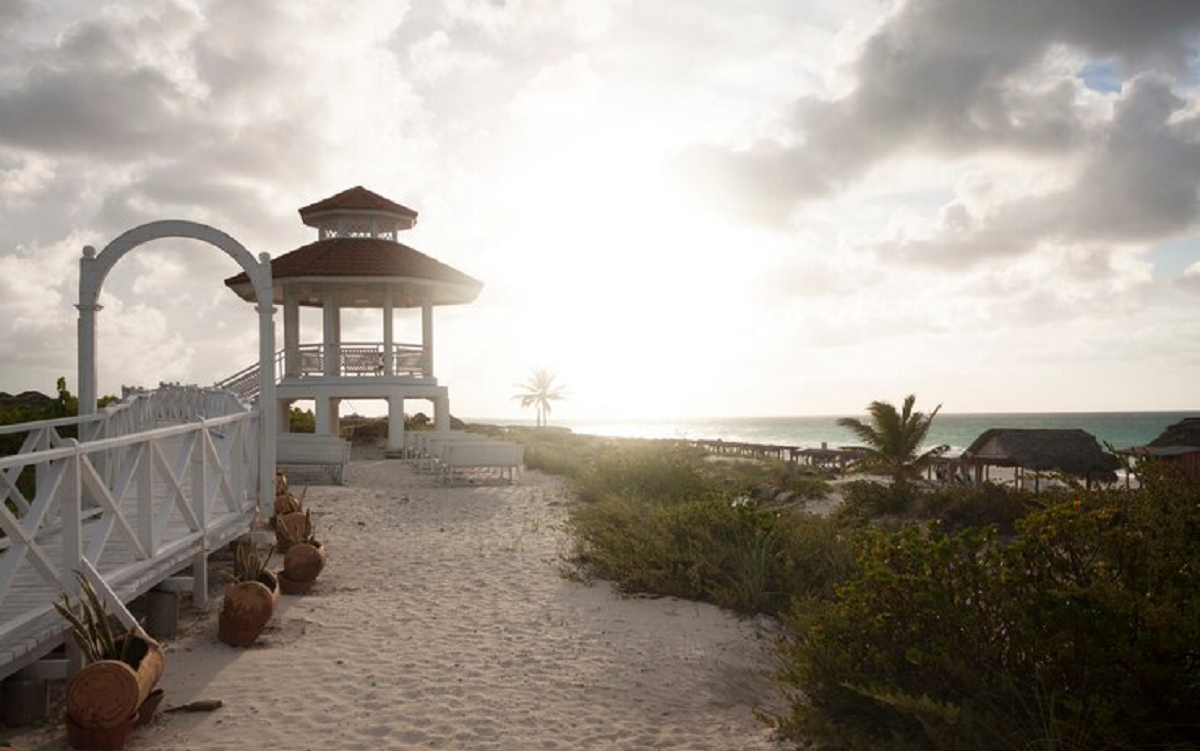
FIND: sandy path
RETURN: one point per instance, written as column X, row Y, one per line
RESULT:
column 442, row 621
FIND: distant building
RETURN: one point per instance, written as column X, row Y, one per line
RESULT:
column 1178, row 444
column 1043, row 450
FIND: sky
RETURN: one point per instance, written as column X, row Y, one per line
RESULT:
column 701, row 208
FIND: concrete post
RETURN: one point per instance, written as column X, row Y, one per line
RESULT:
column 87, row 358
column 323, row 408
column 389, row 361
column 87, row 331
column 427, row 338
column 291, row 334
column 268, row 411
column 441, row 413
column 395, row 441
column 331, row 334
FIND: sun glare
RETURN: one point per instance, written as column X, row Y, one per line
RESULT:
column 627, row 290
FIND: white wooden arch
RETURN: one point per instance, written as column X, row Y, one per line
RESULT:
column 94, row 268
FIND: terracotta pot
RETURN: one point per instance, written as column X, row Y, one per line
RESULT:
column 297, row 525
column 293, row 587
column 108, row 692
column 99, row 739
column 149, row 707
column 303, row 562
column 244, row 613
column 271, row 582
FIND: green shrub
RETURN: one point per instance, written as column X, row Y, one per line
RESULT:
column 807, row 484
column 1079, row 634
column 864, row 500
column 301, row 420
column 653, row 471
column 961, row 506
column 736, row 557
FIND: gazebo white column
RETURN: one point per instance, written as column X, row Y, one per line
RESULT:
column 389, row 346
column 291, row 333
column 395, row 441
column 441, row 413
column 427, row 338
column 331, row 333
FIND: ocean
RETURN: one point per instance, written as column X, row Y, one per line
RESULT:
column 1119, row 429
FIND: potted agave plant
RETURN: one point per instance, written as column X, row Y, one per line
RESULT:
column 250, row 597
column 304, row 558
column 116, row 688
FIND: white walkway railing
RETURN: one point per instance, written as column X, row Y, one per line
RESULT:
column 128, row 502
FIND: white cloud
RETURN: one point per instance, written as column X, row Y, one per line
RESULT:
column 564, row 91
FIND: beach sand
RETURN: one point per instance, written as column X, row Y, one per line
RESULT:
column 444, row 621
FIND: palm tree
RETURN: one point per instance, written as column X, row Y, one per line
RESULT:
column 538, row 391
column 893, row 439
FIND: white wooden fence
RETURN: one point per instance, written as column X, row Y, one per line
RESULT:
column 128, row 503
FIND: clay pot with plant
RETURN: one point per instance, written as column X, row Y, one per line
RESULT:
column 115, row 690
column 304, row 558
column 250, row 597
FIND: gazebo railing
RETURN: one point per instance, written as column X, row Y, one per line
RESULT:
column 354, row 359
column 358, row 359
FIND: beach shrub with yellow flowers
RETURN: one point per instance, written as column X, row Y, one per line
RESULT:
column 1079, row 633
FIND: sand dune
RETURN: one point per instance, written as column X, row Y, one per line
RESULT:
column 443, row 622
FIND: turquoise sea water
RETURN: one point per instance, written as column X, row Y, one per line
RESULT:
column 1121, row 429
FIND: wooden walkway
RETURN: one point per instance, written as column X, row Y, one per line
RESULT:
column 133, row 509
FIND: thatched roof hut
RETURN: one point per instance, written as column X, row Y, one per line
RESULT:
column 1186, row 432
column 1179, row 443
column 1069, row 451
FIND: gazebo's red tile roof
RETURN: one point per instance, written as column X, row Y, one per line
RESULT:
column 358, row 198
column 359, row 257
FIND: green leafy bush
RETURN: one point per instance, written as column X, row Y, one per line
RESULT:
column 1079, row 634
column 736, row 557
column 658, row 472
column 959, row 507
column 807, row 484
column 864, row 500
column 301, row 420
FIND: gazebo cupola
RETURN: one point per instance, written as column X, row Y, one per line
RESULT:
column 358, row 212
column 358, row 262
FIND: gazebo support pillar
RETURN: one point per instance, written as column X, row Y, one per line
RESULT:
column 441, row 413
column 395, row 439
column 291, row 334
column 331, row 334
column 427, row 338
column 389, row 338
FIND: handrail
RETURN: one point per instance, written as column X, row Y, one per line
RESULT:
column 122, row 499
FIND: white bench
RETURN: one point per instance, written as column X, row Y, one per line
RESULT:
column 415, row 441
column 487, row 454
column 303, row 450
column 429, row 446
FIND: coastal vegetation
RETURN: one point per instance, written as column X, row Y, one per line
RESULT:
column 916, row 616
column 1079, row 632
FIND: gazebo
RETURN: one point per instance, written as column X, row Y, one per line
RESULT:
column 358, row 262
column 1070, row 451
